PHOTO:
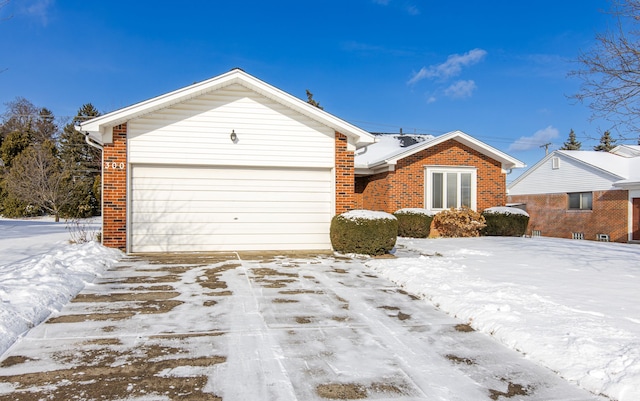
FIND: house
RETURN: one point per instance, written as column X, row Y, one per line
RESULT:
column 435, row 173
column 233, row 163
column 230, row 163
column 583, row 194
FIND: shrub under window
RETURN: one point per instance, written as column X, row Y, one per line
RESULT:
column 505, row 221
column 414, row 223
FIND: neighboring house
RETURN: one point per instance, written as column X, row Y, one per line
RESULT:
column 435, row 173
column 583, row 194
column 230, row 163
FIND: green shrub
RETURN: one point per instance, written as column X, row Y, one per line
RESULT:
column 414, row 223
column 364, row 232
column 13, row 207
column 505, row 221
column 462, row 222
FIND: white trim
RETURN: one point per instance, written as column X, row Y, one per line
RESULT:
column 635, row 193
column 99, row 127
column 507, row 161
column 429, row 170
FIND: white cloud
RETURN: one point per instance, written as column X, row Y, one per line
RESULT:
column 539, row 138
column 450, row 68
column 413, row 10
column 382, row 2
column 461, row 89
column 38, row 9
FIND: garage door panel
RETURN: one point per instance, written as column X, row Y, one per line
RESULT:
column 206, row 209
column 215, row 195
column 143, row 219
column 219, row 172
column 194, row 229
column 195, row 184
column 232, row 243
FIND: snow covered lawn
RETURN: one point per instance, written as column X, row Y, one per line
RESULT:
column 573, row 306
column 40, row 271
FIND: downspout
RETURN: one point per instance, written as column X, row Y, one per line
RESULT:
column 88, row 139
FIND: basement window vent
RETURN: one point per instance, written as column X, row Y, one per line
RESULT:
column 536, row 233
column 602, row 237
column 555, row 163
column 577, row 235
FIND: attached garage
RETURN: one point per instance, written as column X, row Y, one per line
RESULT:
column 229, row 208
column 227, row 164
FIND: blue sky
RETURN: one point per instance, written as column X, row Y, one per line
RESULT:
column 495, row 69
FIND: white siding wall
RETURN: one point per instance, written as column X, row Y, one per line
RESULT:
column 197, row 132
column 571, row 176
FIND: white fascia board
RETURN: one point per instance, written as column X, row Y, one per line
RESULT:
column 627, row 184
column 507, row 161
column 360, row 137
column 560, row 154
column 625, row 151
column 99, row 126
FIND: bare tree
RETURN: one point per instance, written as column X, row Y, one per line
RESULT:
column 610, row 71
column 312, row 101
column 37, row 178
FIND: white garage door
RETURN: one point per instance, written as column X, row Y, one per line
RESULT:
column 179, row 209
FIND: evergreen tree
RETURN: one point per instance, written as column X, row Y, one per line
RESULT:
column 45, row 128
column 23, row 126
column 82, row 162
column 572, row 143
column 14, row 143
column 606, row 143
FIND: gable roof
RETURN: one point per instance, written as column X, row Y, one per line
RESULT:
column 389, row 148
column 98, row 126
column 627, row 150
column 620, row 164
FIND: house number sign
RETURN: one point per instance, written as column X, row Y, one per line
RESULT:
column 114, row 166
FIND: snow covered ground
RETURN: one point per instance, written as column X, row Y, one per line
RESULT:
column 572, row 306
column 40, row 271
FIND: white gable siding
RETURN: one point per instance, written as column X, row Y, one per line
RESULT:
column 197, row 132
column 571, row 176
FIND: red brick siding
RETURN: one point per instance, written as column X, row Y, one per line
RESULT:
column 549, row 213
column 404, row 187
column 114, row 190
column 345, row 175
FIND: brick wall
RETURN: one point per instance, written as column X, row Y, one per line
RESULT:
column 549, row 213
column 404, row 187
column 345, row 175
column 114, row 190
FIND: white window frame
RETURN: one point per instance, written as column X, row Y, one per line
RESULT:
column 428, row 180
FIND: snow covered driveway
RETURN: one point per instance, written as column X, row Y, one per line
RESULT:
column 249, row 327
